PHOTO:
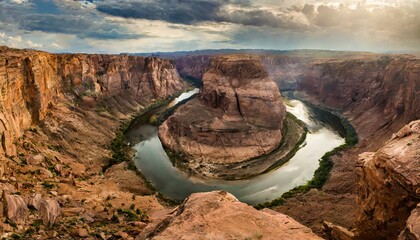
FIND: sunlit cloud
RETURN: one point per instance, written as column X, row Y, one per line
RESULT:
column 147, row 26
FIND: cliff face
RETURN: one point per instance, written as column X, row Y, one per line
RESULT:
column 412, row 227
column 389, row 186
column 377, row 92
column 239, row 114
column 59, row 114
column 219, row 215
column 193, row 66
column 379, row 95
column 33, row 82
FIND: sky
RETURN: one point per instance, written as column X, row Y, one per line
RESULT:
column 115, row 26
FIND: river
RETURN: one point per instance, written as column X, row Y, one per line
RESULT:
column 152, row 161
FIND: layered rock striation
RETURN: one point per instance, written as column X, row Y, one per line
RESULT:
column 378, row 92
column 389, row 186
column 59, row 114
column 33, row 82
column 238, row 116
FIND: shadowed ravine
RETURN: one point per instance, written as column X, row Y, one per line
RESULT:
column 153, row 162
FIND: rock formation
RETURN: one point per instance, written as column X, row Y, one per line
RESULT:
column 193, row 66
column 381, row 94
column 389, row 186
column 16, row 209
column 219, row 215
column 238, row 116
column 378, row 93
column 59, row 114
column 412, row 227
column 33, row 82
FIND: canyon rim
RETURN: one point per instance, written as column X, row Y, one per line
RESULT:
column 210, row 119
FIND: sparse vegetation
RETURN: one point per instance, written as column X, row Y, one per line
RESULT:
column 48, row 185
column 130, row 216
column 322, row 174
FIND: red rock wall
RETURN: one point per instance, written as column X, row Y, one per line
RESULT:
column 32, row 82
column 379, row 93
column 389, row 187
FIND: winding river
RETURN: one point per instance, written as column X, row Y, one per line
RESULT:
column 152, row 161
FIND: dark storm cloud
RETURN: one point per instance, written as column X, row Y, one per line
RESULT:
column 173, row 11
column 195, row 11
column 47, row 16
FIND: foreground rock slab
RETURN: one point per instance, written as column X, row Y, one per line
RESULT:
column 219, row 215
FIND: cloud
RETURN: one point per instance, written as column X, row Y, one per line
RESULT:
column 264, row 17
column 173, row 11
column 17, row 41
column 192, row 12
column 157, row 25
column 62, row 17
column 81, row 26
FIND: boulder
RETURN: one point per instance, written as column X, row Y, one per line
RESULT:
column 412, row 228
column 35, row 159
column 49, row 211
column 16, row 209
column 219, row 215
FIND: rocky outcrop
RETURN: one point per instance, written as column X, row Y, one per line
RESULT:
column 238, row 116
column 412, row 227
column 389, row 186
column 16, row 209
column 33, row 82
column 50, row 211
column 380, row 94
column 219, row 215
column 59, row 114
column 193, row 66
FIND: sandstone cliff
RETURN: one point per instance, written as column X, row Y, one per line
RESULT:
column 59, row 114
column 193, row 66
column 33, row 82
column 412, row 227
column 219, row 215
column 379, row 94
column 238, row 116
column 389, row 186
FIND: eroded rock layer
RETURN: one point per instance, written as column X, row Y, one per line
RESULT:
column 389, row 186
column 59, row 114
column 378, row 93
column 238, row 115
column 32, row 82
column 219, row 215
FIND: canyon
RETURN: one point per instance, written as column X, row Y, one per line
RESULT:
column 63, row 116
column 378, row 93
column 238, row 116
column 59, row 115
